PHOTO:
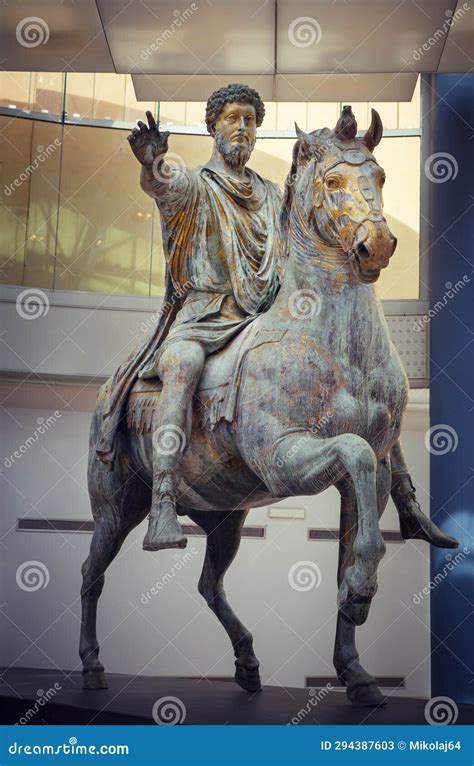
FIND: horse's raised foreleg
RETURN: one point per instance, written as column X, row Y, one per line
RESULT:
column 223, row 529
column 362, row 689
column 315, row 464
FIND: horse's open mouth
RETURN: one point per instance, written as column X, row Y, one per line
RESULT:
column 367, row 276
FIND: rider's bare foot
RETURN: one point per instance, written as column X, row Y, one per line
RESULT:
column 164, row 529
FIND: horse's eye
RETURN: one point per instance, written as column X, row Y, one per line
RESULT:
column 382, row 179
column 332, row 184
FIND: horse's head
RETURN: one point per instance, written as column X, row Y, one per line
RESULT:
column 336, row 183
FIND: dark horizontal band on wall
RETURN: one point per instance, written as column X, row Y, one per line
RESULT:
column 389, row 535
column 387, row 682
column 76, row 525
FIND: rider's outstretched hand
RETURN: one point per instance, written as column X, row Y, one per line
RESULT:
column 147, row 142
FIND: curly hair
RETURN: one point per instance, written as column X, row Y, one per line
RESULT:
column 230, row 94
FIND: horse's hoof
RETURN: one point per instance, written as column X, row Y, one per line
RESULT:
column 248, row 678
column 356, row 609
column 366, row 695
column 94, row 679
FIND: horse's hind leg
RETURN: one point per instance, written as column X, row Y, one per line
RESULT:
column 361, row 687
column 111, row 529
column 223, row 529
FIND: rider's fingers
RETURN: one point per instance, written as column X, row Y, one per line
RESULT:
column 151, row 121
column 142, row 126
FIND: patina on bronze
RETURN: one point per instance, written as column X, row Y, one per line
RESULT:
column 310, row 395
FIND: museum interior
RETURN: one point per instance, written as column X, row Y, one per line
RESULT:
column 84, row 282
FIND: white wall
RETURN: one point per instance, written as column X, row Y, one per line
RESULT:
column 175, row 633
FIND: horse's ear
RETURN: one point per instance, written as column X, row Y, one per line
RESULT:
column 308, row 145
column 300, row 133
column 374, row 133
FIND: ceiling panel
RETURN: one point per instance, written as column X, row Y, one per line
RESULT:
column 171, row 87
column 219, row 37
column 458, row 53
column 53, row 36
column 345, row 87
column 302, row 87
column 358, row 35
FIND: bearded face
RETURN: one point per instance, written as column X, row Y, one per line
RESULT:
column 235, row 154
column 235, row 134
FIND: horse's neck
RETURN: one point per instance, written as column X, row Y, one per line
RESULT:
column 343, row 315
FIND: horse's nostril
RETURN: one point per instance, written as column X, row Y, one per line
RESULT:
column 362, row 251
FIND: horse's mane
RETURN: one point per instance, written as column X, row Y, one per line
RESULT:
column 298, row 156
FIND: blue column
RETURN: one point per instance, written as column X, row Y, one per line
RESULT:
column 448, row 164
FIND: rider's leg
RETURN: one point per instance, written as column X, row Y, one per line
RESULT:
column 413, row 522
column 180, row 369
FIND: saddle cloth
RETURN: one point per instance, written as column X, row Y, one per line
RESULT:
column 217, row 393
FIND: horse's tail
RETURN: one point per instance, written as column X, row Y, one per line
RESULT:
column 97, row 470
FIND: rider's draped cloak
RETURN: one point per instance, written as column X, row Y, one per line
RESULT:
column 220, row 238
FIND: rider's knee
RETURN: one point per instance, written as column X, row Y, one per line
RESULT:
column 182, row 361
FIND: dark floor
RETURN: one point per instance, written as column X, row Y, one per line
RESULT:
column 130, row 701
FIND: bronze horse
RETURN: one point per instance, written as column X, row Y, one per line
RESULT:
column 311, row 395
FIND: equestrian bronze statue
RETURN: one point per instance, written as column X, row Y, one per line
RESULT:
column 294, row 384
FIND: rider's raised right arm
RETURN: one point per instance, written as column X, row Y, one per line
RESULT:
column 166, row 182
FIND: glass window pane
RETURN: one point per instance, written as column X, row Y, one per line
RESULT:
column 36, row 91
column 135, row 110
column 104, row 96
column 15, row 142
column 47, row 90
column 41, row 230
column 409, row 111
column 15, row 90
column 400, row 158
column 105, row 219
column 288, row 113
column 80, row 94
